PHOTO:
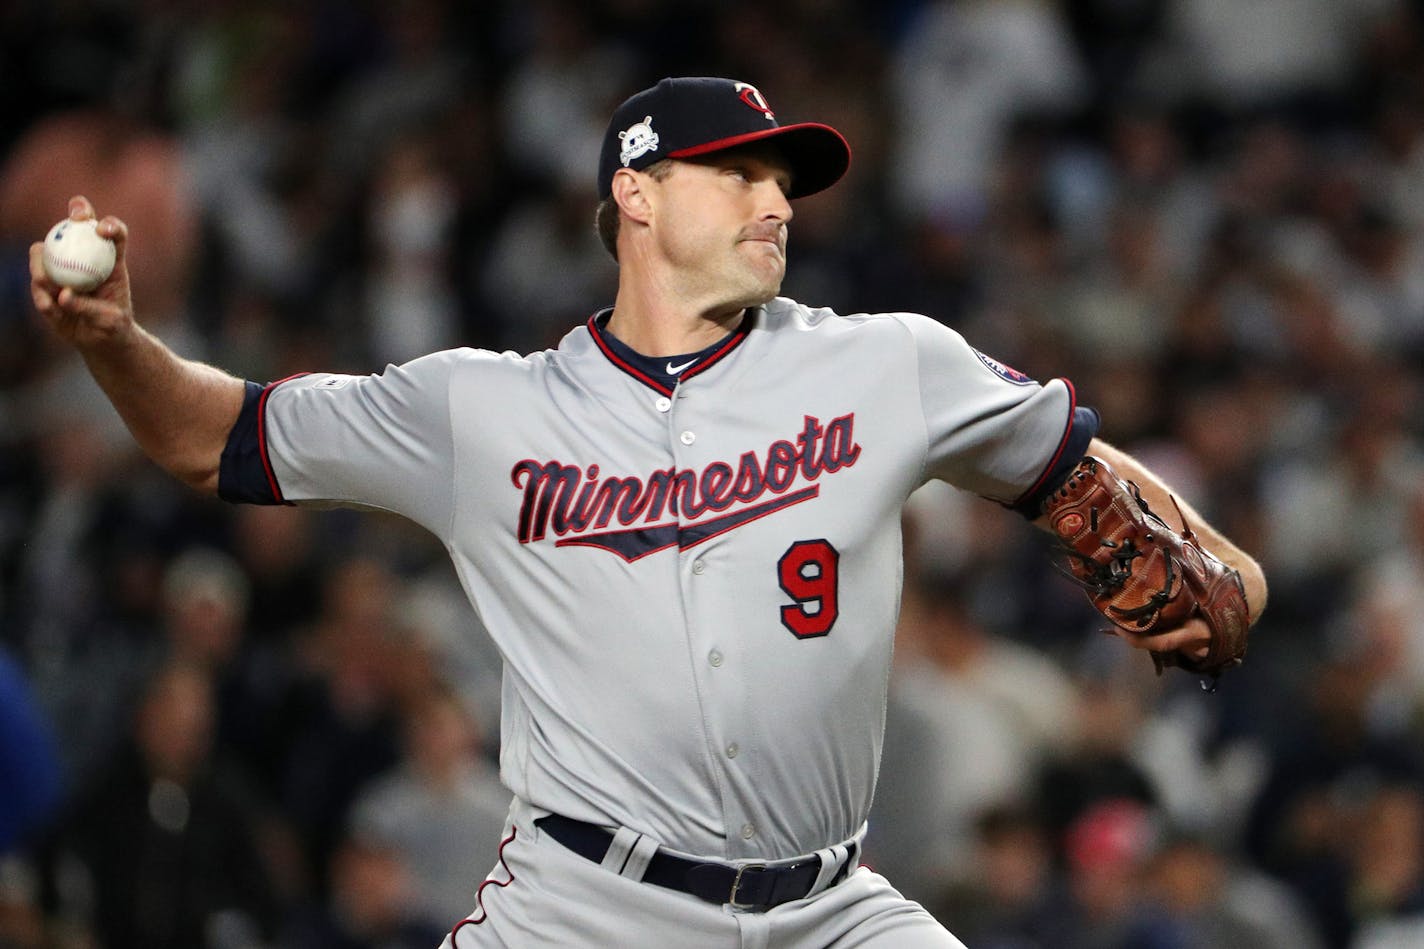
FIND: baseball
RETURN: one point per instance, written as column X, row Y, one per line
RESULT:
column 76, row 256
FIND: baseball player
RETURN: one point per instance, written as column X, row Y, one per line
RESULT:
column 681, row 527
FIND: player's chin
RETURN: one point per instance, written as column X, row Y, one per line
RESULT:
column 756, row 289
column 768, row 254
column 765, row 281
column 763, row 294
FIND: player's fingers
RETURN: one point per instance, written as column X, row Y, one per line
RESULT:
column 42, row 289
column 80, row 208
column 116, row 231
column 1193, row 637
column 88, row 307
column 43, row 299
column 37, row 271
column 82, row 317
column 44, row 293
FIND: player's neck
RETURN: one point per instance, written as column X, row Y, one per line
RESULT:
column 665, row 329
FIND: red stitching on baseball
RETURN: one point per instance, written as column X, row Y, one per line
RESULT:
column 74, row 264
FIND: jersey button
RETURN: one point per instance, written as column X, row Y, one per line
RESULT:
column 748, row 831
column 732, row 750
column 663, row 404
column 714, row 659
column 687, row 438
column 698, row 567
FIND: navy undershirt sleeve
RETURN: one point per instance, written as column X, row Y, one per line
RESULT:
column 243, row 477
column 1084, row 427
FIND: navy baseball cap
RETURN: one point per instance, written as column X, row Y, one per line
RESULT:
column 690, row 116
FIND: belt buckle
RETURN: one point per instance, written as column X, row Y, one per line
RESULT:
column 737, row 883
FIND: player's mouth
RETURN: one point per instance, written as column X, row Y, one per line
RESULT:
column 772, row 236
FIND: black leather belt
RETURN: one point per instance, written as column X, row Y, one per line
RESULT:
column 747, row 886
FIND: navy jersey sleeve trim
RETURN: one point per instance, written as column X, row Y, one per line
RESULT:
column 1082, row 426
column 245, row 473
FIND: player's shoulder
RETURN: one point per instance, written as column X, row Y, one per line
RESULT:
column 463, row 375
column 483, row 376
column 783, row 313
column 487, row 362
column 448, row 366
column 505, row 366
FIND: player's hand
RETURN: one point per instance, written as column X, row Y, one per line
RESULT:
column 1193, row 638
column 86, row 319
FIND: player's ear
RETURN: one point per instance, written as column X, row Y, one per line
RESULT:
column 630, row 192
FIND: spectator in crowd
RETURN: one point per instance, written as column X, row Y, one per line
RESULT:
column 1204, row 899
column 372, row 905
column 1106, row 851
column 1386, row 860
column 31, row 782
column 333, row 725
column 163, row 849
column 441, row 812
column 980, row 716
column 1015, row 898
column 22, row 921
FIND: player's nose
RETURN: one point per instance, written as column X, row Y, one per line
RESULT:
column 773, row 203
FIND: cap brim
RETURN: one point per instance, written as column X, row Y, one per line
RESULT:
column 817, row 154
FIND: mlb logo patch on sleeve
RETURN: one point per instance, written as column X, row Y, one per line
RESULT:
column 1005, row 372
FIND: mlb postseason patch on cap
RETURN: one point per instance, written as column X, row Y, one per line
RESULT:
column 638, row 140
column 690, row 116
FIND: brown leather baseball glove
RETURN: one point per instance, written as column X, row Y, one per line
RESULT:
column 1141, row 574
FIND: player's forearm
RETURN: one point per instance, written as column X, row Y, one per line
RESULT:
column 1160, row 498
column 179, row 411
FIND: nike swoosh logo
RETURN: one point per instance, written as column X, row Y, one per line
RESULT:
column 674, row 370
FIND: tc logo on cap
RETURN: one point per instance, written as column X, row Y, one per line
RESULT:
column 701, row 115
column 752, row 96
column 638, row 140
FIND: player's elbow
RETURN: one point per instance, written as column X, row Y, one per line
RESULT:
column 204, row 482
column 198, row 471
column 191, row 445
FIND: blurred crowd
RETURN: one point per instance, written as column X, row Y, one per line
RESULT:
column 277, row 727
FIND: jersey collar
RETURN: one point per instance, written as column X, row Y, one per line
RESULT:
column 642, row 368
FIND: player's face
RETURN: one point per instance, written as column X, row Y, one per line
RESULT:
column 722, row 226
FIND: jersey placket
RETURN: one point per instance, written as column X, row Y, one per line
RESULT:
column 714, row 657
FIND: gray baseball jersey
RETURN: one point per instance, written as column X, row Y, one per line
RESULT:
column 693, row 584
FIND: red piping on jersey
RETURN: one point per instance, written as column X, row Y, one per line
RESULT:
column 481, row 914
column 613, row 357
column 656, row 385
column 717, row 356
column 1062, row 444
column 262, row 435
